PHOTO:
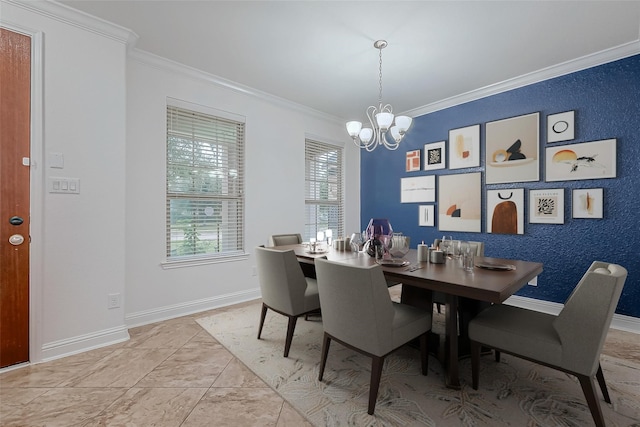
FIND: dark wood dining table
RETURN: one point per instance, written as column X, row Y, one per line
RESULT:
column 420, row 279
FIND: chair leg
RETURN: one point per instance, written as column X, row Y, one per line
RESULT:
column 475, row 363
column 589, row 390
column 374, row 385
column 497, row 352
column 262, row 317
column 290, row 329
column 424, row 352
column 439, row 307
column 326, row 342
column 603, row 384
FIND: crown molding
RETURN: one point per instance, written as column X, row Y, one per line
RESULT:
column 67, row 15
column 165, row 64
column 568, row 67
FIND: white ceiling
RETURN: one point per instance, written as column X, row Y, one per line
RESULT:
column 320, row 53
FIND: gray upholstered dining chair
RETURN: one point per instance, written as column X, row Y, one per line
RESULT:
column 285, row 239
column 357, row 312
column 284, row 289
column 570, row 342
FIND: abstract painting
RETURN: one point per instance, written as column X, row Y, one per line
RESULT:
column 464, row 147
column 546, row 206
column 413, row 161
column 587, row 160
column 512, row 149
column 459, row 202
column 426, row 216
column 434, row 155
column 560, row 127
column 587, row 203
column 418, row 189
column 505, row 211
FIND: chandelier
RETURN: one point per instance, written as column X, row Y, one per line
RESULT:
column 381, row 120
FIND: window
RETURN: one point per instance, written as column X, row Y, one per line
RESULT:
column 205, row 184
column 323, row 189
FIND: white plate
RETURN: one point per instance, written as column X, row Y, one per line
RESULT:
column 492, row 266
column 393, row 262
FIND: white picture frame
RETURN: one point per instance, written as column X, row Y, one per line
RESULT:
column 560, row 127
column 418, row 189
column 505, row 211
column 426, row 216
column 585, row 160
column 513, row 149
column 464, row 147
column 587, row 203
column 435, row 154
column 546, row 206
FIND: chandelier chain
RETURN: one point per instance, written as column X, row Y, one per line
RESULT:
column 380, row 94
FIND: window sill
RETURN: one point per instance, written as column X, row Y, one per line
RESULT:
column 193, row 262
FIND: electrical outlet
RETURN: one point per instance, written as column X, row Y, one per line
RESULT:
column 113, row 301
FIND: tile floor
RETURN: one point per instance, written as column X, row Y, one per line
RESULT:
column 171, row 373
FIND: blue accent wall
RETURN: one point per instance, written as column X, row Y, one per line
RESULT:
column 606, row 101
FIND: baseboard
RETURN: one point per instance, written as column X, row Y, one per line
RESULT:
column 70, row 346
column 184, row 309
column 620, row 321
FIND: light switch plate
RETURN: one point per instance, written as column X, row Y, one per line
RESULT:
column 64, row 185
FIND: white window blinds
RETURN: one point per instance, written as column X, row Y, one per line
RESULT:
column 205, row 185
column 323, row 189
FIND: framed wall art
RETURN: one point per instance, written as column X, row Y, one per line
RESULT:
column 459, row 202
column 413, row 161
column 587, row 203
column 587, row 160
column 512, row 149
column 546, row 206
column 418, row 189
column 434, row 155
column 560, row 127
column 426, row 216
column 505, row 211
column 464, row 147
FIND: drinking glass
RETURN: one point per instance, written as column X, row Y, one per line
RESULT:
column 445, row 245
column 357, row 241
column 467, row 253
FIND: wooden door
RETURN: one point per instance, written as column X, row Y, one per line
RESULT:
column 15, row 124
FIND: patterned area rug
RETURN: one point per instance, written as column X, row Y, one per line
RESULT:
column 511, row 393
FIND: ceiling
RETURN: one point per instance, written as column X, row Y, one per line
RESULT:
column 320, row 53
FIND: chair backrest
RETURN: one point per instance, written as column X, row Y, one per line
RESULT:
column 284, row 239
column 479, row 246
column 586, row 316
column 282, row 282
column 356, row 306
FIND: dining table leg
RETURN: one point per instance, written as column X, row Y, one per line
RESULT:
column 451, row 340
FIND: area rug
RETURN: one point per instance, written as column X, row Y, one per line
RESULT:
column 511, row 393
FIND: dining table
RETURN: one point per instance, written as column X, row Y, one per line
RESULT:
column 491, row 281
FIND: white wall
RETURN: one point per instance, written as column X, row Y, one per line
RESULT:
column 105, row 112
column 275, row 135
column 80, row 238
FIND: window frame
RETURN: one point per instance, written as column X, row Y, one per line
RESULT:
column 232, row 188
column 314, row 179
